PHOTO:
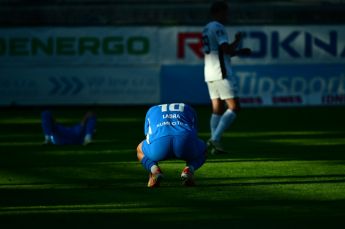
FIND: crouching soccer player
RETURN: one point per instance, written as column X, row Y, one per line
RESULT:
column 171, row 132
column 58, row 134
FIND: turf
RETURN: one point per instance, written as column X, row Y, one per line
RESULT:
column 286, row 169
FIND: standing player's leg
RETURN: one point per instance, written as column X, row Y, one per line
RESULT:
column 217, row 105
column 226, row 119
column 48, row 124
column 227, row 93
column 217, row 111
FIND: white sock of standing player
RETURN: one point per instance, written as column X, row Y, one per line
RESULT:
column 214, row 123
column 225, row 121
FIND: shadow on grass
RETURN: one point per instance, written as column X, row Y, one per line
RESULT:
column 215, row 182
column 103, row 186
column 234, row 215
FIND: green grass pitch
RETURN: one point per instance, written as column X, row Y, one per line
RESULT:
column 286, row 169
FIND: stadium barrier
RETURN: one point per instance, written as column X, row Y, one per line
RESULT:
column 290, row 65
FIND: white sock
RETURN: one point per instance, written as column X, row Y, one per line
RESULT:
column 225, row 121
column 88, row 137
column 214, row 121
column 154, row 169
column 46, row 137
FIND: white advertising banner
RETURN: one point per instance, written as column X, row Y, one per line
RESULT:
column 270, row 44
column 116, row 46
column 111, row 46
column 41, row 86
column 124, row 65
column 261, row 85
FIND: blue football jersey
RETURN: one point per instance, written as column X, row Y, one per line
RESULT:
column 169, row 119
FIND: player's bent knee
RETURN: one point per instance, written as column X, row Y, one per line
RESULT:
column 140, row 153
column 234, row 105
column 236, row 109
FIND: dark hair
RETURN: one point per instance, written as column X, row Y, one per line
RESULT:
column 218, row 6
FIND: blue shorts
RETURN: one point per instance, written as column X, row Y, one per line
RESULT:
column 69, row 135
column 186, row 147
